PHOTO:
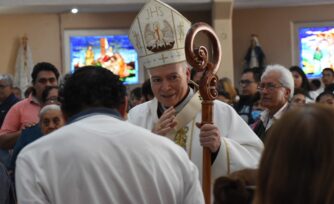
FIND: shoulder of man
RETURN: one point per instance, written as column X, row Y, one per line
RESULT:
column 141, row 109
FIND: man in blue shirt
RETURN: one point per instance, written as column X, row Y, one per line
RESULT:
column 7, row 100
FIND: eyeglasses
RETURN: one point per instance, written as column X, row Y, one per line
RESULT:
column 269, row 86
column 246, row 82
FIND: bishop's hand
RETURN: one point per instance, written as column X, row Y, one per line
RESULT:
column 209, row 136
column 166, row 122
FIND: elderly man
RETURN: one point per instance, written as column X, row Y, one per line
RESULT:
column 25, row 113
column 103, row 159
column 7, row 97
column 249, row 95
column 276, row 90
column 51, row 118
column 176, row 109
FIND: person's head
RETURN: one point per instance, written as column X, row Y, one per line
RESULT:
column 315, row 84
column 170, row 83
column 327, row 76
column 135, row 97
column 6, row 86
column 254, row 40
column 226, row 91
column 43, row 74
column 231, row 191
column 299, row 98
column 93, row 87
column 235, row 188
column 300, row 79
column 249, row 81
column 51, row 118
column 297, row 163
column 17, row 92
column 50, row 95
column 276, row 87
column 326, row 97
column 196, row 75
column 161, row 52
column 146, row 90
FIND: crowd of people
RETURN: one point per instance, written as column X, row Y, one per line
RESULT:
column 84, row 139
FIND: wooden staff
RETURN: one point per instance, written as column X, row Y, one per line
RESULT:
column 198, row 58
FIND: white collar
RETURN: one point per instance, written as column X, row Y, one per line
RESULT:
column 267, row 121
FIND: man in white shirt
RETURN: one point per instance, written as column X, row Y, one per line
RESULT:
column 276, row 90
column 98, row 158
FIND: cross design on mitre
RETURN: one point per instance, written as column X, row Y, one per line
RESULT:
column 163, row 58
column 136, row 36
column 181, row 31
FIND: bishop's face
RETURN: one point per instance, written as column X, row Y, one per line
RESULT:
column 170, row 83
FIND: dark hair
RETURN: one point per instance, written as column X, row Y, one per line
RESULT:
column 257, row 72
column 146, row 90
column 46, row 92
column 225, row 88
column 297, row 164
column 328, row 69
column 316, row 83
column 28, row 91
column 92, row 86
column 43, row 66
column 301, row 91
column 193, row 72
column 231, row 191
column 135, row 93
column 325, row 93
column 305, row 83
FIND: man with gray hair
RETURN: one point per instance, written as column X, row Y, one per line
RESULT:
column 176, row 108
column 7, row 100
column 276, row 89
column 7, row 97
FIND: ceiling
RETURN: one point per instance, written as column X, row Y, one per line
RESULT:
column 63, row 6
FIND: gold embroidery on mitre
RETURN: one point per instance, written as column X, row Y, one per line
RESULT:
column 159, row 37
column 181, row 137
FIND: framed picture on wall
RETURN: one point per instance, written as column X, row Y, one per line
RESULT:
column 313, row 46
column 110, row 49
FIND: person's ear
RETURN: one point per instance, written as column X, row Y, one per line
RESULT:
column 287, row 93
column 124, row 107
column 188, row 72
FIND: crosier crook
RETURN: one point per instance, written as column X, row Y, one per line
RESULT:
column 198, row 58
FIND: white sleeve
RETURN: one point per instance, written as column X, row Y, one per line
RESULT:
column 28, row 188
column 193, row 190
column 240, row 146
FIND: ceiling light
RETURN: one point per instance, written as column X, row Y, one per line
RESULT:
column 74, row 10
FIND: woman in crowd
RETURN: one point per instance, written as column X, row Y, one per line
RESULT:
column 297, row 164
column 226, row 91
column 300, row 79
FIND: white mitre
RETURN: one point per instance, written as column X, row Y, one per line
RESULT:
column 158, row 34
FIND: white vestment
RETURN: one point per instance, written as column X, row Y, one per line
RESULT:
column 240, row 146
column 101, row 159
